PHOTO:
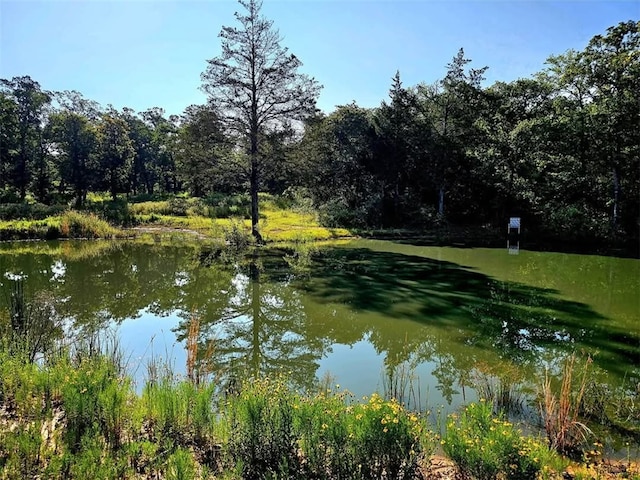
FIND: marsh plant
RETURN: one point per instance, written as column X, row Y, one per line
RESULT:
column 501, row 388
column 560, row 407
column 486, row 446
column 278, row 433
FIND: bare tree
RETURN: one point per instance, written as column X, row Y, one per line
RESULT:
column 257, row 88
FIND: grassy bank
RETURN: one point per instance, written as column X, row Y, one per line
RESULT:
column 280, row 220
column 80, row 417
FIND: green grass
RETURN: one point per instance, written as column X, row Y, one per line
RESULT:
column 209, row 217
column 486, row 446
column 71, row 224
column 30, row 229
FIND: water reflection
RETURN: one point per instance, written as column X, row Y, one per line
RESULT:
column 262, row 329
column 366, row 308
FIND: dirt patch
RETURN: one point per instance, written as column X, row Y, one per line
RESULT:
column 441, row 468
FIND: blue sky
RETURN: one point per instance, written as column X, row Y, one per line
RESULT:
column 147, row 53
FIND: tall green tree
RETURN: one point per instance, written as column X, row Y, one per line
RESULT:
column 256, row 86
column 613, row 71
column 30, row 104
column 143, row 174
column 72, row 131
column 164, row 131
column 8, row 138
column 204, row 162
column 338, row 151
column 454, row 105
column 115, row 151
column 511, row 154
column 403, row 137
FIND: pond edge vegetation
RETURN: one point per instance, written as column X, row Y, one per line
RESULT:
column 70, row 410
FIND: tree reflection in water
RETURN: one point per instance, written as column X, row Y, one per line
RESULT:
column 258, row 316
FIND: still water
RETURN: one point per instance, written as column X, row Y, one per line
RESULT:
column 361, row 312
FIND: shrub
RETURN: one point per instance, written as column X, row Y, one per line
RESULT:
column 336, row 213
column 488, row 447
column 226, row 206
column 82, row 225
column 262, row 439
column 178, row 207
column 113, row 211
column 275, row 431
column 20, row 452
column 29, row 211
column 236, row 237
column 180, row 466
column 386, row 439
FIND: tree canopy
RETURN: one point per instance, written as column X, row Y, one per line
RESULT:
column 256, row 87
column 560, row 148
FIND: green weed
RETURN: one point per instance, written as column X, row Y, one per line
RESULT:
column 85, row 225
column 180, row 466
column 488, row 447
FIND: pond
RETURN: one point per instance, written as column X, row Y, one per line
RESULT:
column 369, row 315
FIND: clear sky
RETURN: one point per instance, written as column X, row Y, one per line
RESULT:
column 148, row 53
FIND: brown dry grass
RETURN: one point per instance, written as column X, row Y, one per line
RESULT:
column 560, row 409
column 192, row 348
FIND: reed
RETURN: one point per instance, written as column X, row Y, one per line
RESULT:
column 192, row 348
column 560, row 409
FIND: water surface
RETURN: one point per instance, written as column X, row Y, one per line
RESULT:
column 359, row 311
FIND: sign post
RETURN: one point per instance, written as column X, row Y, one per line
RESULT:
column 513, row 235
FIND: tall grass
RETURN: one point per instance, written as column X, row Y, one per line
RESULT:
column 85, row 225
column 561, row 408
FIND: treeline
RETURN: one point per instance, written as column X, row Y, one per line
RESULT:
column 561, row 149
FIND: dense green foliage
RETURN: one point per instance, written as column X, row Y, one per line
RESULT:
column 561, row 148
column 488, row 447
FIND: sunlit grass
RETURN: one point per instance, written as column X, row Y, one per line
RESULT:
column 148, row 208
column 209, row 217
column 71, row 224
column 275, row 225
column 197, row 223
column 28, row 229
